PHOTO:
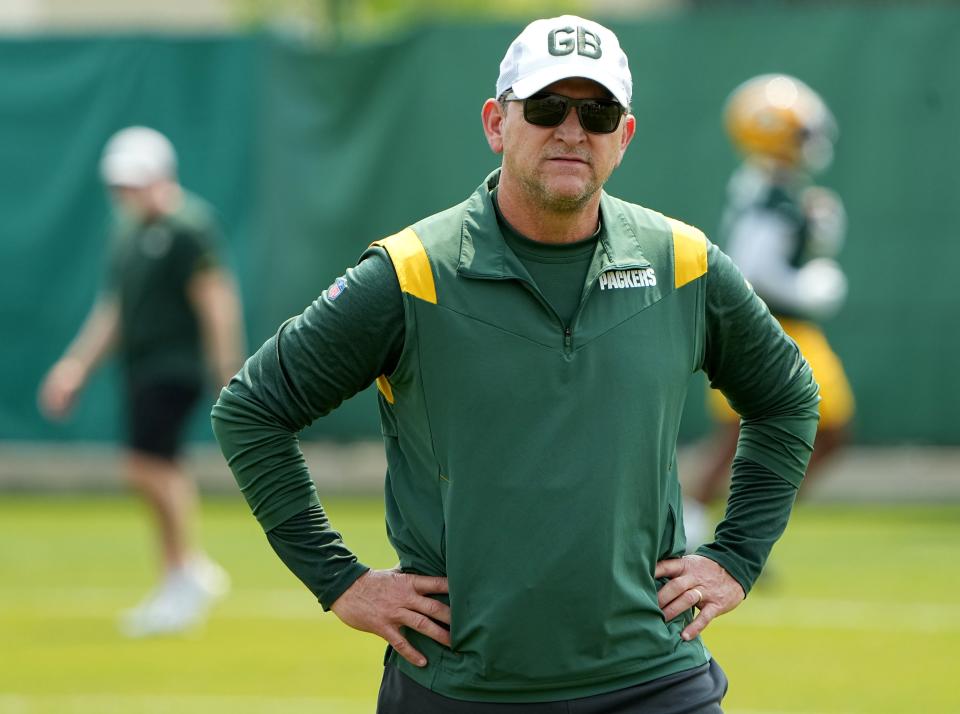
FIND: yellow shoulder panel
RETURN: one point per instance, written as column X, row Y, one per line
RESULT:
column 689, row 252
column 414, row 275
column 411, row 263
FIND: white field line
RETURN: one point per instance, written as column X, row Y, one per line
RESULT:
column 727, row 710
column 276, row 604
column 108, row 703
column 298, row 605
column 852, row 615
column 119, row 703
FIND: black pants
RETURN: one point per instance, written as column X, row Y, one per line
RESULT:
column 157, row 412
column 696, row 691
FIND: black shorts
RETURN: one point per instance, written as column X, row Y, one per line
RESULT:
column 156, row 415
column 695, row 691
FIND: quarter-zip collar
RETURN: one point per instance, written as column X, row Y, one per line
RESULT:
column 484, row 252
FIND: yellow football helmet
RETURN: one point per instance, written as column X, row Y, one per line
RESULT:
column 779, row 117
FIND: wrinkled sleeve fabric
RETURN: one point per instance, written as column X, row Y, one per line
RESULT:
column 337, row 347
column 761, row 372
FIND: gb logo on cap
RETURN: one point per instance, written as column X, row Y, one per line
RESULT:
column 560, row 42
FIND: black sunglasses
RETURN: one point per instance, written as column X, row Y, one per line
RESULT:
column 598, row 116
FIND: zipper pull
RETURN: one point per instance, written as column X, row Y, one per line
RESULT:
column 567, row 337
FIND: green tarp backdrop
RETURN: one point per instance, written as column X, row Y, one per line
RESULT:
column 309, row 154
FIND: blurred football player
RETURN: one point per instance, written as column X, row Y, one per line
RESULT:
column 784, row 233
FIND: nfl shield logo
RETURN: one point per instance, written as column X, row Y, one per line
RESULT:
column 339, row 285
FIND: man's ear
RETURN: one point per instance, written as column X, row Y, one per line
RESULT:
column 629, row 129
column 493, row 118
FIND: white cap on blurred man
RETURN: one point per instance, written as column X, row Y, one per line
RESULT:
column 564, row 47
column 137, row 157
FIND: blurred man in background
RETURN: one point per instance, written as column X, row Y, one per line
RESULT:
column 784, row 234
column 170, row 311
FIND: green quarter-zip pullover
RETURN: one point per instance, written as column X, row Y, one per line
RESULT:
column 531, row 458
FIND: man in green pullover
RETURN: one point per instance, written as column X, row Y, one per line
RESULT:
column 533, row 347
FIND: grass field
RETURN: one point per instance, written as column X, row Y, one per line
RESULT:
column 862, row 615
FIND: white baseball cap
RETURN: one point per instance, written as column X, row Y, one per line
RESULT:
column 137, row 156
column 563, row 47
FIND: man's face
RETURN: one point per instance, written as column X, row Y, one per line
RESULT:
column 141, row 202
column 560, row 168
column 131, row 199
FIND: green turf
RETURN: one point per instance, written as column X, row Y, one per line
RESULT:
column 861, row 613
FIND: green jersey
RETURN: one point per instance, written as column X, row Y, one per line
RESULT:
column 531, row 457
column 151, row 267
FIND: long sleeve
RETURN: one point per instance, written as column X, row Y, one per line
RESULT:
column 337, row 347
column 763, row 375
